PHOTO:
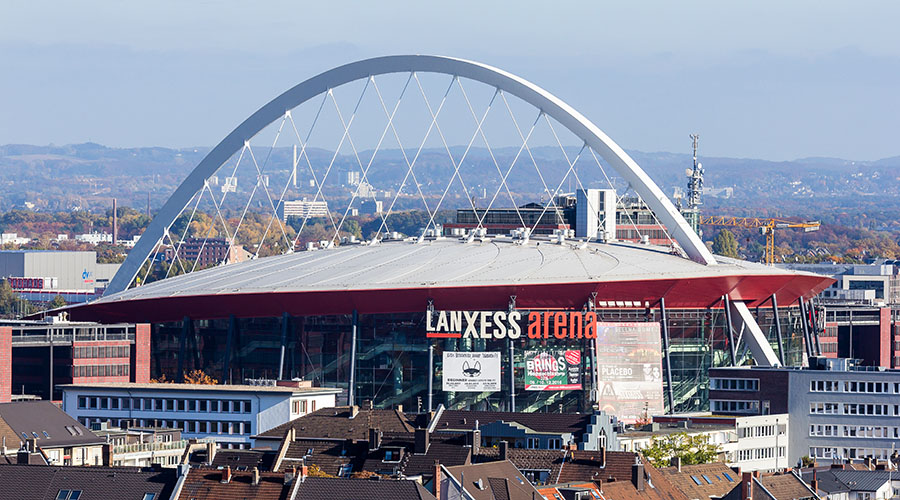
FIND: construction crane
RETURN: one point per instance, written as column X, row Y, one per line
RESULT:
column 766, row 226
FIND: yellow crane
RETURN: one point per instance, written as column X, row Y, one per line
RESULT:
column 765, row 225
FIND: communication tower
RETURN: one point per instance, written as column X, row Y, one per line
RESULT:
column 694, row 189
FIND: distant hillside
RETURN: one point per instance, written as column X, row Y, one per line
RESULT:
column 89, row 175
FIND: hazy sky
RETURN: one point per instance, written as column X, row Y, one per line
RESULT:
column 765, row 79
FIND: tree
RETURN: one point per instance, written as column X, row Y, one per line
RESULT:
column 11, row 305
column 725, row 244
column 315, row 471
column 199, row 378
column 692, row 450
column 57, row 302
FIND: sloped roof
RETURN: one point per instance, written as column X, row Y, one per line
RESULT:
column 245, row 459
column 317, row 488
column 786, row 487
column 490, row 480
column 43, row 482
column 37, row 417
column 336, row 423
column 206, row 484
column 722, row 479
column 863, row 480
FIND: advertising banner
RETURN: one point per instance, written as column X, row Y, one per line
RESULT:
column 471, row 371
column 629, row 370
column 553, row 370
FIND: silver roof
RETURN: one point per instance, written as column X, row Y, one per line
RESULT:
column 442, row 262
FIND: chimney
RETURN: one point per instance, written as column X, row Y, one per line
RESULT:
column 31, row 444
column 399, row 408
column 354, row 411
column 374, row 439
column 838, row 466
column 367, row 405
column 504, row 448
column 255, row 476
column 637, row 473
column 868, row 462
column 422, row 441
column 226, row 474
column 304, row 473
column 115, row 222
column 675, row 462
column 22, row 456
column 815, row 483
column 473, row 439
column 107, row 455
column 437, row 480
column 746, row 486
column 210, row 452
column 289, row 476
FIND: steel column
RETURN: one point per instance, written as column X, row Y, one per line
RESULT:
column 232, row 326
column 351, row 387
column 430, row 376
column 185, row 325
column 512, row 377
column 807, row 337
column 285, row 322
column 733, row 348
column 814, row 321
column 665, row 338
column 778, row 329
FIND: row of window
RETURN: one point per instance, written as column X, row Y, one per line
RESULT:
column 165, row 404
column 101, row 371
column 186, row 426
column 853, row 386
column 299, row 406
column 854, row 409
column 734, row 384
column 829, row 347
column 843, row 453
column 760, row 453
column 858, row 431
column 756, row 431
column 103, row 351
column 718, row 405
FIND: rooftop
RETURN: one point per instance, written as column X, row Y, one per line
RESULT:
column 449, row 264
column 44, row 482
column 341, row 423
column 46, row 423
column 132, row 386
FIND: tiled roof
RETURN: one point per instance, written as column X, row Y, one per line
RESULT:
column 718, row 484
column 335, row 423
column 245, row 459
column 328, row 455
column 487, row 481
column 315, row 488
column 447, row 454
column 539, row 422
column 36, row 417
column 206, row 484
column 786, row 487
column 43, row 482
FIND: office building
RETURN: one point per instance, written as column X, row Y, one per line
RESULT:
column 227, row 414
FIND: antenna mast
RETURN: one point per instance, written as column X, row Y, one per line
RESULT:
column 695, row 188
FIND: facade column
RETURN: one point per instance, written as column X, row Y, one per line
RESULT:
column 140, row 368
column 670, row 394
column 5, row 364
column 778, row 329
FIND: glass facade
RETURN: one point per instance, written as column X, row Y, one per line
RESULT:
column 392, row 356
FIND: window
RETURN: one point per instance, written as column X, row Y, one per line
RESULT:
column 533, row 443
column 149, row 496
column 734, row 384
column 696, row 480
column 68, row 495
column 345, row 471
column 706, row 478
column 82, row 402
column 554, row 443
column 728, row 477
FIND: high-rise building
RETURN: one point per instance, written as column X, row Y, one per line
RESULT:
column 595, row 213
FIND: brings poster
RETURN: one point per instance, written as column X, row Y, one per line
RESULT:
column 629, row 370
column 471, row 371
column 553, row 370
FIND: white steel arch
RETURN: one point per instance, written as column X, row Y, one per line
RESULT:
column 549, row 104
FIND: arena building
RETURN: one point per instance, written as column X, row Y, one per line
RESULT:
column 480, row 320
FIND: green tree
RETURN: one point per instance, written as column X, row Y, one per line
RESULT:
column 57, row 302
column 725, row 244
column 11, row 305
column 692, row 450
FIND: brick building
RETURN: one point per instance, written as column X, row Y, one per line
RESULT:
column 36, row 358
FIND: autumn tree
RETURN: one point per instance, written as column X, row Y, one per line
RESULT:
column 57, row 302
column 692, row 450
column 725, row 244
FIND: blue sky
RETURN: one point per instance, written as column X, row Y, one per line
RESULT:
column 764, row 79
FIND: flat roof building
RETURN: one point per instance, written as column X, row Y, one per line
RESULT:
column 228, row 414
